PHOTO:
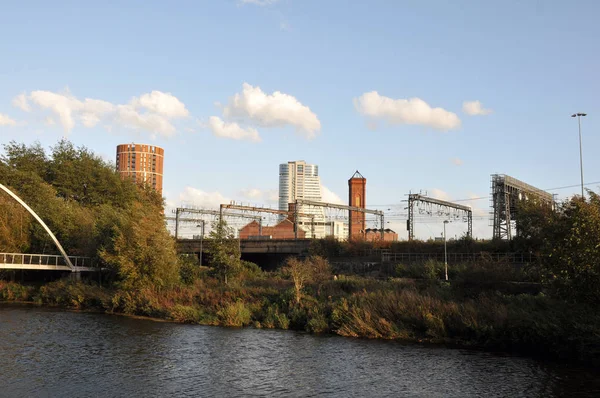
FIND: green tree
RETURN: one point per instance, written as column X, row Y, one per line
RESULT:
column 568, row 241
column 300, row 272
column 141, row 251
column 90, row 209
column 224, row 251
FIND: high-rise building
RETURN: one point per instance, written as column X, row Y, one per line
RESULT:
column 298, row 180
column 141, row 162
column 357, row 197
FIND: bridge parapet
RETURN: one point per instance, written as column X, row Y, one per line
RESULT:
column 250, row 246
column 46, row 262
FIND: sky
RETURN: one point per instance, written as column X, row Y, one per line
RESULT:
column 419, row 96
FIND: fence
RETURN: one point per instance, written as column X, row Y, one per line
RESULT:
column 517, row 258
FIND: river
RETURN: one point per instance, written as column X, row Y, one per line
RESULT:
column 53, row 353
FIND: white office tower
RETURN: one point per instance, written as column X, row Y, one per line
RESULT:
column 298, row 180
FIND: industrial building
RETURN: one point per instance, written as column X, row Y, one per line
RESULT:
column 357, row 197
column 142, row 163
column 374, row 235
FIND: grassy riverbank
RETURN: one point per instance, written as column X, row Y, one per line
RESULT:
column 505, row 317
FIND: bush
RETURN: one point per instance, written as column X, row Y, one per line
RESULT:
column 250, row 270
column 317, row 324
column 186, row 314
column 189, row 269
column 11, row 291
column 234, row 314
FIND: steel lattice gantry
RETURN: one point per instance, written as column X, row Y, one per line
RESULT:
column 254, row 209
column 415, row 198
column 506, row 194
column 182, row 210
column 380, row 214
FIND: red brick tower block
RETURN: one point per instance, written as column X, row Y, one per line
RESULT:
column 357, row 197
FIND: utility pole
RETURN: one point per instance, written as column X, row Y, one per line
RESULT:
column 201, row 240
column 177, row 211
column 579, row 115
column 445, row 250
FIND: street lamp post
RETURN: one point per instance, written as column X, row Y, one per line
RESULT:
column 579, row 115
column 445, row 250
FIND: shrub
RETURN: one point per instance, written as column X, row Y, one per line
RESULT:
column 189, row 269
column 234, row 314
column 185, row 314
column 11, row 291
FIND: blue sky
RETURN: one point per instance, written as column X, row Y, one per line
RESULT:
column 163, row 69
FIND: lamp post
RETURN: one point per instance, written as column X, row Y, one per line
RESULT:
column 201, row 239
column 579, row 115
column 445, row 250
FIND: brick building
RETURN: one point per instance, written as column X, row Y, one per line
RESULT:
column 283, row 230
column 142, row 163
column 374, row 235
column 357, row 197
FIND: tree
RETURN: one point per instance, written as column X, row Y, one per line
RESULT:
column 321, row 271
column 91, row 211
column 568, row 240
column 301, row 272
column 224, row 250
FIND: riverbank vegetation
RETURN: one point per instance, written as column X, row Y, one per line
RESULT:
column 546, row 307
column 513, row 317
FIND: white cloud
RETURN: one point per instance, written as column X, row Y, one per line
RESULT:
column 232, row 130
column 405, row 111
column 329, row 196
column 475, row 108
column 439, row 194
column 20, row 101
column 258, row 2
column 165, row 104
column 6, row 121
column 457, row 161
column 129, row 117
column 252, row 105
column 251, row 193
column 62, row 105
column 151, row 112
column 198, row 198
column 268, row 196
column 272, row 195
column 50, row 121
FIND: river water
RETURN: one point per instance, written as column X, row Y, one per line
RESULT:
column 52, row 353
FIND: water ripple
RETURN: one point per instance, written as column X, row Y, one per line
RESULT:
column 57, row 354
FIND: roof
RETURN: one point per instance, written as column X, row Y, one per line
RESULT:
column 357, row 175
column 378, row 230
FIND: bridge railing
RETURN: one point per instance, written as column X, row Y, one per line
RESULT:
column 47, row 260
column 519, row 258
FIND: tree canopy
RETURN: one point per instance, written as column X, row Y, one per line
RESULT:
column 91, row 210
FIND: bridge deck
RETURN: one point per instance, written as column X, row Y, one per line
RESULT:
column 46, row 262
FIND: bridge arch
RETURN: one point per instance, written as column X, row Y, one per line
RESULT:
column 42, row 223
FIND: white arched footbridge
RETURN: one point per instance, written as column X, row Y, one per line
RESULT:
column 43, row 261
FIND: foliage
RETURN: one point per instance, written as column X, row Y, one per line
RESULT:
column 569, row 241
column 300, row 272
column 90, row 209
column 189, row 268
column 224, row 251
column 234, row 314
